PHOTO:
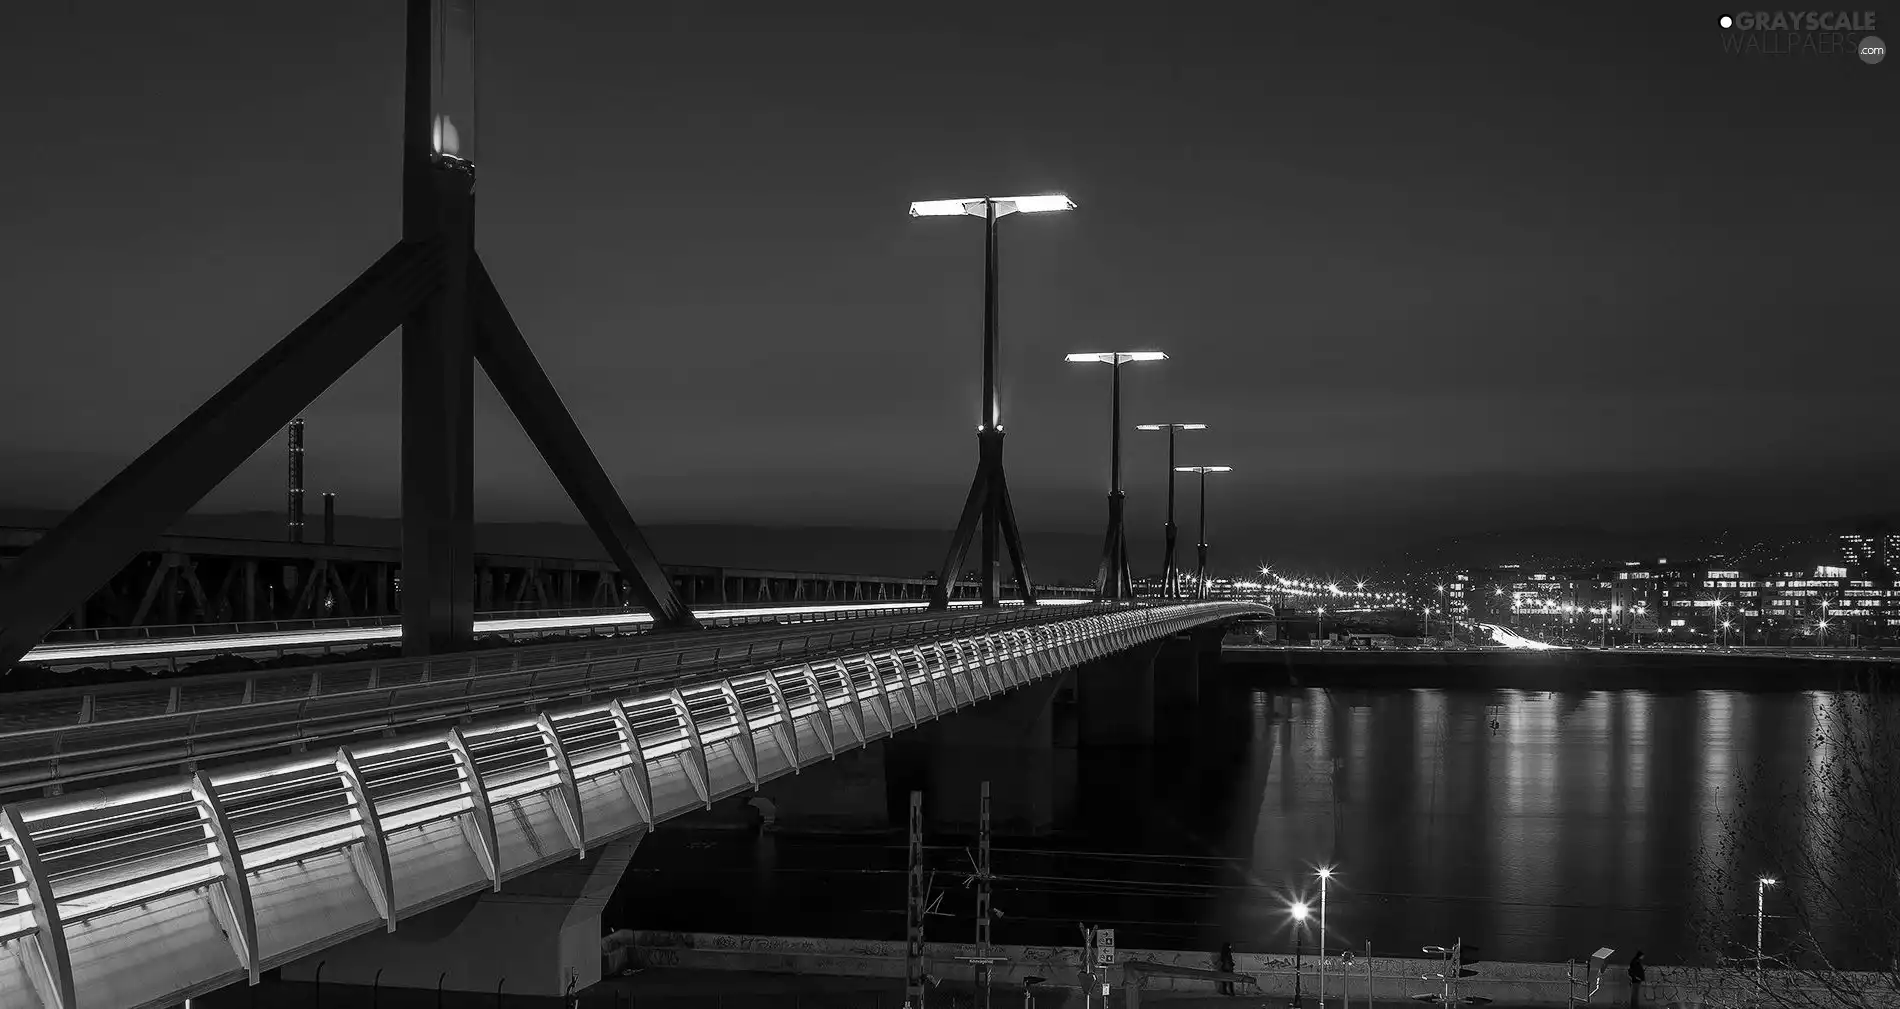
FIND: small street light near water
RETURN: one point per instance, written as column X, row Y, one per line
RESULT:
column 1761, row 905
column 1299, row 911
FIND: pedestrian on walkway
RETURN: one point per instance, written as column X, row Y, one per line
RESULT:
column 1637, row 974
column 1225, row 964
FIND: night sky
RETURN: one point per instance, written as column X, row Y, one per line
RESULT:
column 1422, row 273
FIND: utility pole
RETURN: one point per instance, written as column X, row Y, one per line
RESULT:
column 1088, row 969
column 983, row 961
column 914, row 910
column 983, row 897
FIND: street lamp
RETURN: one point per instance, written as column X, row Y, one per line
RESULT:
column 988, row 505
column 1299, row 912
column 1169, row 577
column 1321, row 637
column 1112, row 580
column 1325, row 873
column 1761, row 903
column 1200, row 567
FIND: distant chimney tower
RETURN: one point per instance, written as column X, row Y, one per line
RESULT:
column 329, row 518
column 296, row 481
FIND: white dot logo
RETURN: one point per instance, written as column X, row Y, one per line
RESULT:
column 1727, row 22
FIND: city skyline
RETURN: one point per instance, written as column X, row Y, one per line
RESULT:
column 1646, row 298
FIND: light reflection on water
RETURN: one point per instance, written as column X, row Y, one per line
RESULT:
column 1533, row 825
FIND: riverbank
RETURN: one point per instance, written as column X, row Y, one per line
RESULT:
column 1557, row 669
column 658, row 956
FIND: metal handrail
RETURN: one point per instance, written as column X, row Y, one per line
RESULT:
column 706, row 747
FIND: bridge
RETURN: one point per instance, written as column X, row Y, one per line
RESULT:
column 398, row 789
column 165, row 837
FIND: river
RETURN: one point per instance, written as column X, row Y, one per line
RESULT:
column 1532, row 825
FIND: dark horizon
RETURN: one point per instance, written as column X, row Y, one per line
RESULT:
column 1055, row 556
column 1425, row 275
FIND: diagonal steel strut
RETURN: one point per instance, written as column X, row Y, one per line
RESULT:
column 57, row 574
column 510, row 363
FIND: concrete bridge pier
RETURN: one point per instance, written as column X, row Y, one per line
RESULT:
column 1008, row 741
column 1207, row 663
column 1116, row 698
column 843, row 795
column 536, row 938
column 1177, row 681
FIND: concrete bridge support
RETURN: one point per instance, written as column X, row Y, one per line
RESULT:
column 1208, row 657
column 1116, row 696
column 1009, row 742
column 1177, row 686
column 532, row 941
column 844, row 795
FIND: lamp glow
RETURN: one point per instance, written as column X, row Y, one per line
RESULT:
column 976, row 206
column 1164, row 427
column 938, row 208
column 1204, row 469
column 1298, row 911
column 1053, row 202
column 1121, row 357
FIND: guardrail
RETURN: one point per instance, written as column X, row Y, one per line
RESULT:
column 82, row 735
column 321, row 847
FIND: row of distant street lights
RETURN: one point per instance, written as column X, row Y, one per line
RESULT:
column 1113, row 581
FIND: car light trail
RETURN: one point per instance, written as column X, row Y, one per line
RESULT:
column 1509, row 639
column 332, row 637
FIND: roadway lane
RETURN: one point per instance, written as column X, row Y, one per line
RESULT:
column 109, row 652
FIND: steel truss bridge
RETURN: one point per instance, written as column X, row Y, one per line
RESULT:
column 402, row 786
column 188, row 585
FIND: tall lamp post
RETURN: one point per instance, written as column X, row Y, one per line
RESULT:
column 1112, row 580
column 988, row 505
column 1200, row 566
column 1325, row 873
column 1761, row 905
column 1170, row 578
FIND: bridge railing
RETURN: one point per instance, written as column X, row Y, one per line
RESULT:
column 318, row 847
column 73, row 736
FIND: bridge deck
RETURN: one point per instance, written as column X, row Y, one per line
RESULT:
column 89, row 735
column 146, row 894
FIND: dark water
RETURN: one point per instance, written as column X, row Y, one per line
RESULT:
column 1537, row 826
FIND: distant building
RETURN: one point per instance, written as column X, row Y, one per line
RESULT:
column 1872, row 552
